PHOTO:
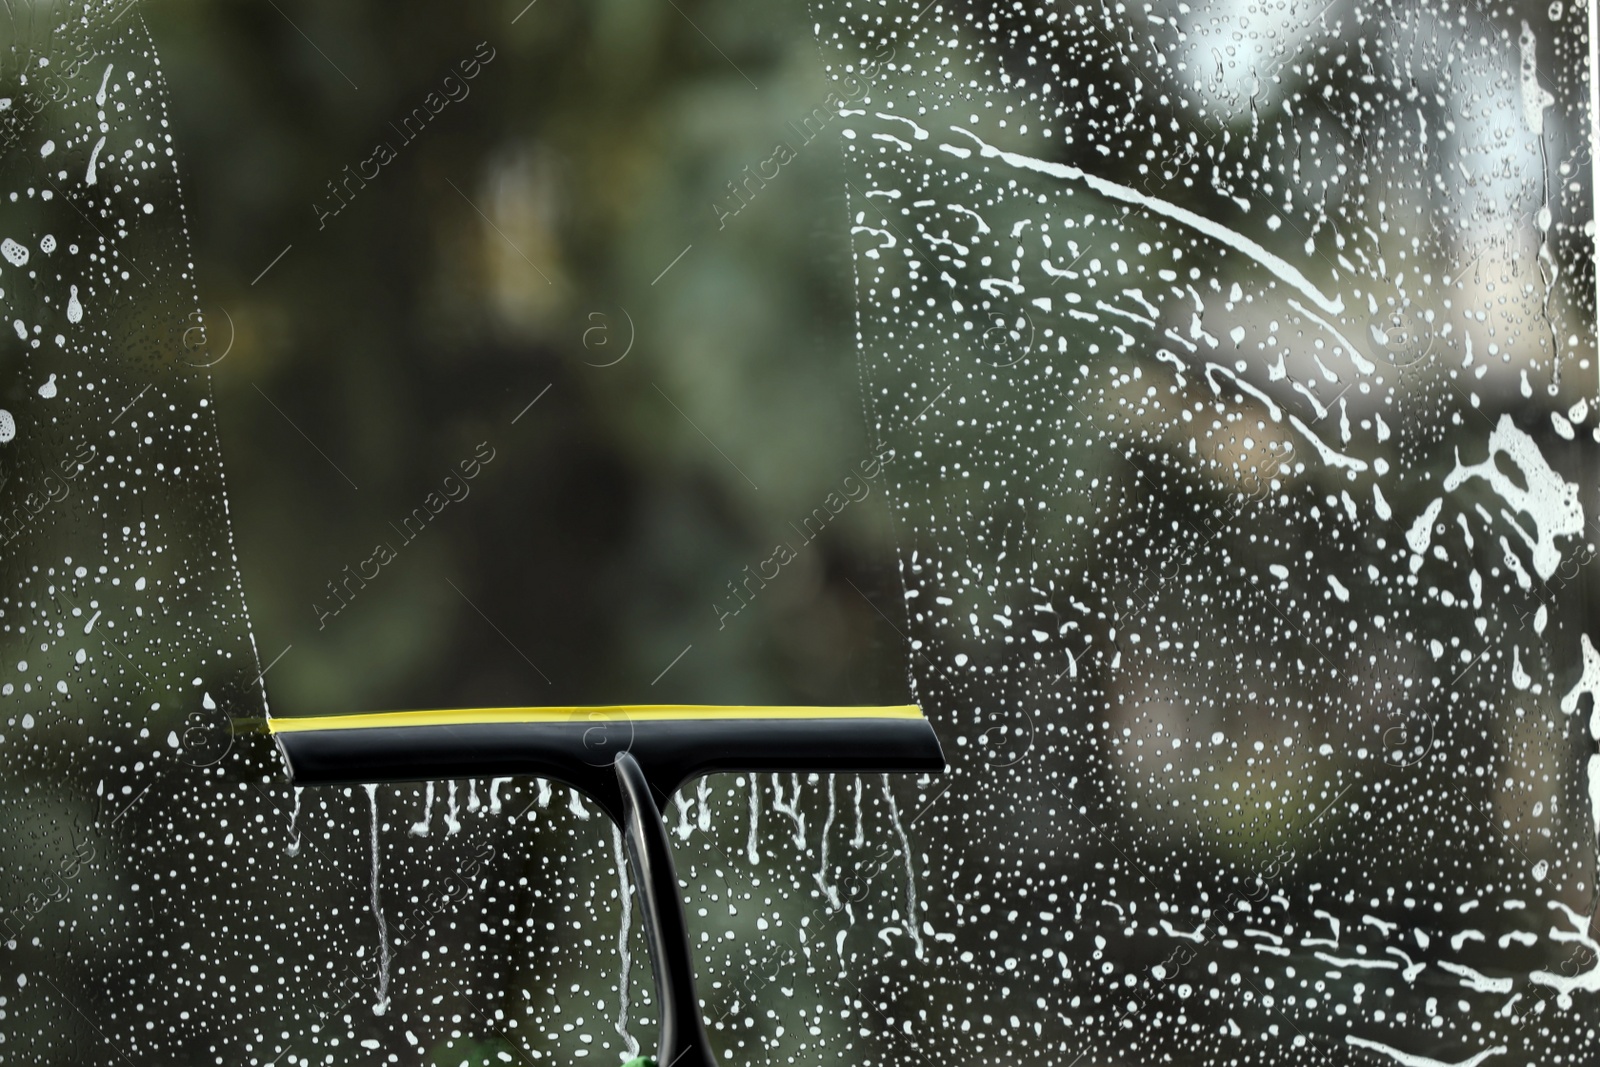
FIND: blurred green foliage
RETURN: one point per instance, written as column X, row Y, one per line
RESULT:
column 515, row 244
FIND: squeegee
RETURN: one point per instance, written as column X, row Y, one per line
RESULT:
column 629, row 760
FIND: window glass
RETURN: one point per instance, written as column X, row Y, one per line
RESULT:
column 1193, row 408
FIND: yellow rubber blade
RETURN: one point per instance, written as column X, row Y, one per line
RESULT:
column 598, row 713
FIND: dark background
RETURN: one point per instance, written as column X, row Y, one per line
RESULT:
column 417, row 324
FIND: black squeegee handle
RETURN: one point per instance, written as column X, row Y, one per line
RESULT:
column 581, row 753
column 683, row 1040
column 630, row 768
